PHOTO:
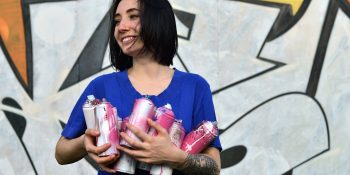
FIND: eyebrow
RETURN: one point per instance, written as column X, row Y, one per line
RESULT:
column 128, row 11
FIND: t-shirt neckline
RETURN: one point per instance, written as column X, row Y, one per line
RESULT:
column 166, row 93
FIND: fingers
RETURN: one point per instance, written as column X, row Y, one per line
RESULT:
column 105, row 162
column 92, row 132
column 140, row 155
column 89, row 142
column 157, row 126
column 91, row 148
column 133, row 142
column 139, row 133
column 107, row 169
column 137, row 154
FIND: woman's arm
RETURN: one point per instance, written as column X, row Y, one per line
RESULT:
column 206, row 163
column 70, row 150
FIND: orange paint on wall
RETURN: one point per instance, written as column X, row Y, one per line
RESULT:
column 12, row 34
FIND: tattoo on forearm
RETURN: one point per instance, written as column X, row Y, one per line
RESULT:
column 200, row 164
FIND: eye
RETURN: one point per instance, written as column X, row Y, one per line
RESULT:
column 116, row 21
column 134, row 16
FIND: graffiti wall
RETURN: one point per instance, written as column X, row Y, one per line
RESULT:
column 279, row 71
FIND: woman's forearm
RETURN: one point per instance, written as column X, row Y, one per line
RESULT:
column 70, row 150
column 199, row 164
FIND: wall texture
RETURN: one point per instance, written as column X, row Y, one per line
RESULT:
column 279, row 71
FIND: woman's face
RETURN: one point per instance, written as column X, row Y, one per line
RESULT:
column 128, row 26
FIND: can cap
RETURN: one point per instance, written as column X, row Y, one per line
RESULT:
column 91, row 97
column 168, row 106
column 178, row 121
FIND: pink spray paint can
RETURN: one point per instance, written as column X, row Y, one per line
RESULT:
column 106, row 116
column 89, row 112
column 165, row 117
column 123, row 125
column 142, row 110
column 176, row 134
column 125, row 164
column 198, row 139
column 120, row 123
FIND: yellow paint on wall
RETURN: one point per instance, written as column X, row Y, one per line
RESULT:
column 12, row 34
column 295, row 4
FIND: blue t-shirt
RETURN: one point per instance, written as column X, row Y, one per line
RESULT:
column 189, row 95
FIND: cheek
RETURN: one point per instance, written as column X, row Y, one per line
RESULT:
column 137, row 27
column 116, row 33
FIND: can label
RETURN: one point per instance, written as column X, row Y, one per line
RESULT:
column 165, row 117
column 89, row 112
column 176, row 134
column 200, row 138
column 142, row 110
column 106, row 115
column 125, row 164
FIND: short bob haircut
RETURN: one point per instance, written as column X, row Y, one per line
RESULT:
column 158, row 33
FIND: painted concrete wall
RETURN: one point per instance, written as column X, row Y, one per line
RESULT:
column 279, row 71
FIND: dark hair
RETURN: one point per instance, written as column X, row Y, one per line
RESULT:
column 158, row 33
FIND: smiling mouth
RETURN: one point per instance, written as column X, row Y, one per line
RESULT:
column 128, row 40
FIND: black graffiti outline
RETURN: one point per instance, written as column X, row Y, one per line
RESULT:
column 18, row 124
column 90, row 58
column 285, row 20
column 317, row 65
column 281, row 95
column 345, row 6
column 322, row 46
column 276, row 64
column 28, row 44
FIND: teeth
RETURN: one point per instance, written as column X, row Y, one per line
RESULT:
column 127, row 39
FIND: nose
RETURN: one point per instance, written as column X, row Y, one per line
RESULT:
column 123, row 25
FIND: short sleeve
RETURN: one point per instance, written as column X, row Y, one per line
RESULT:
column 204, row 109
column 76, row 123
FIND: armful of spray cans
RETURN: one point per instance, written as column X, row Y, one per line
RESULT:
column 101, row 115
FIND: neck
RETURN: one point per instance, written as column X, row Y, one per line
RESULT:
column 145, row 67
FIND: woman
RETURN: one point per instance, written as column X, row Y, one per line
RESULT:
column 143, row 42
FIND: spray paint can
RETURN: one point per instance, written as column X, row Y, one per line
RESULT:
column 120, row 123
column 89, row 111
column 123, row 126
column 106, row 116
column 198, row 139
column 165, row 117
column 142, row 110
column 125, row 164
column 176, row 134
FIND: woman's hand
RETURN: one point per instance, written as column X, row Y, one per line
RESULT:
column 93, row 151
column 153, row 149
